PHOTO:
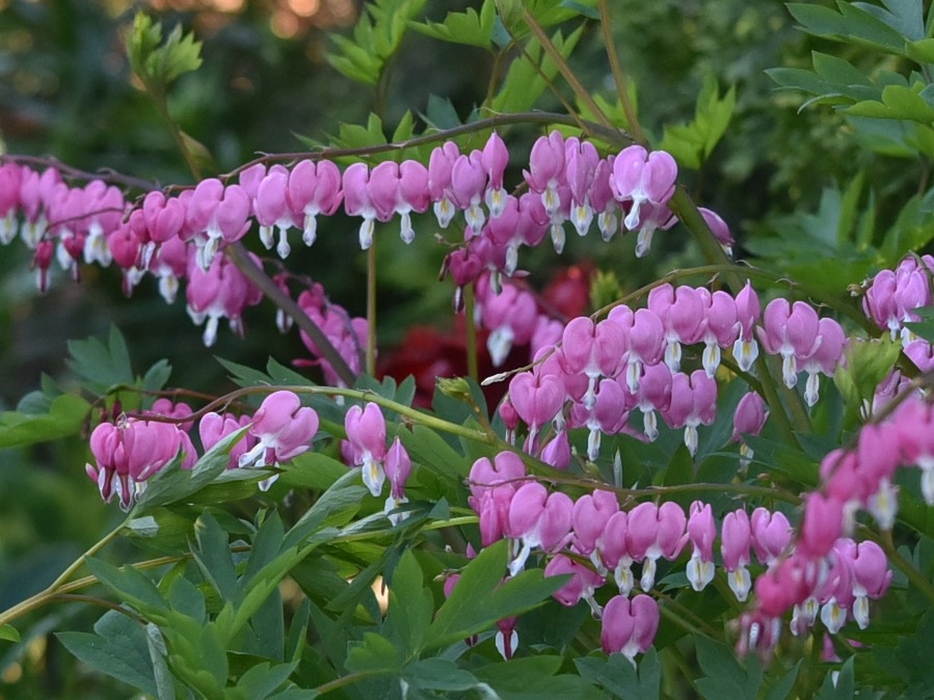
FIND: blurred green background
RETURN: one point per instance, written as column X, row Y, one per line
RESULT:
column 66, row 92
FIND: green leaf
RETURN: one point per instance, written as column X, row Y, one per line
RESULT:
column 848, row 24
column 156, row 65
column 212, row 657
column 438, row 675
column 481, row 597
column 102, row 366
column 9, row 633
column 782, row 689
column 213, row 556
column 921, row 51
column 898, row 102
column 118, row 648
column 410, row 605
column 375, row 654
column 313, row 470
column 130, row 586
column 691, row 144
column 724, row 677
column 617, row 675
column 529, row 74
column 266, row 546
column 66, row 416
column 839, row 686
column 469, row 27
column 264, row 679
column 904, row 16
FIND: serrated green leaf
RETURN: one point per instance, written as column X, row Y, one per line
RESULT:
column 848, row 23
column 438, row 675
column 782, row 689
column 481, row 597
column 130, row 586
column 618, row 676
column 904, row 16
column 102, row 366
column 839, row 686
column 468, row 27
column 724, row 677
column 410, row 605
column 897, row 103
column 213, row 556
column 118, row 649
column 264, row 679
column 266, row 546
column 375, row 654
column 921, row 51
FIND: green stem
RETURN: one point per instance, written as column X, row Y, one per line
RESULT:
column 371, row 309
column 608, row 134
column 345, row 680
column 415, row 415
column 629, row 110
column 58, row 585
column 473, row 370
column 582, row 93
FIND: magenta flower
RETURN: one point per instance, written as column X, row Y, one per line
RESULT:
column 128, row 454
column 581, row 160
column 537, row 399
column 283, row 429
column 358, row 200
column 273, row 209
column 718, row 328
column 629, row 626
column 693, row 403
column 314, row 189
column 746, row 349
column 871, row 575
column 511, row 316
column 595, row 350
column 495, row 158
column 825, row 358
column 748, row 419
column 655, row 532
column 589, row 520
column 654, row 394
column 584, row 582
column 792, row 332
column 366, row 433
column 702, row 531
column 647, row 180
column 397, row 468
column 719, row 228
column 216, row 215
column 735, row 540
column 538, row 519
column 220, row 291
column 400, row 189
column 213, row 427
column 681, row 312
column 771, row 534
column 440, row 167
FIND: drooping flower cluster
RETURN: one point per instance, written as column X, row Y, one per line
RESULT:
column 602, row 372
column 179, row 237
column 594, row 529
column 133, row 449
